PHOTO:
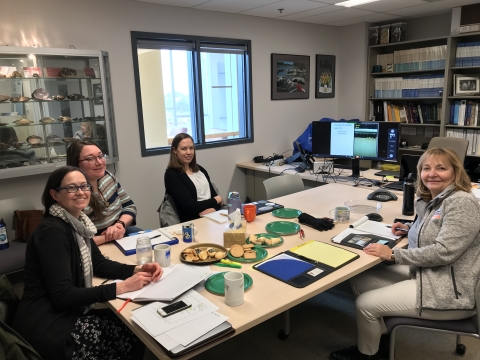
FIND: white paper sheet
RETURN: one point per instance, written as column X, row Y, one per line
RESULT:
column 191, row 331
column 155, row 324
column 183, row 278
column 219, row 216
column 130, row 242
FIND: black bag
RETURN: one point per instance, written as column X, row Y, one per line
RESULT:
column 323, row 224
column 25, row 221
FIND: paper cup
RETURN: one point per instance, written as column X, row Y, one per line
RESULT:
column 234, row 292
column 162, row 254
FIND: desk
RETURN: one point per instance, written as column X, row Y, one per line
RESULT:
column 257, row 173
column 268, row 297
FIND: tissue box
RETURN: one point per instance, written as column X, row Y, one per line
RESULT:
column 235, row 236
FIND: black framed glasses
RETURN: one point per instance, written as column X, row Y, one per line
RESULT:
column 92, row 159
column 75, row 188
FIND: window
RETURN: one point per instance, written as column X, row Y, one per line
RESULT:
column 197, row 85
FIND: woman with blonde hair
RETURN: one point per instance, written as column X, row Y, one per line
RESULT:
column 436, row 276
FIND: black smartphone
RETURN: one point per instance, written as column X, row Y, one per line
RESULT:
column 173, row 308
column 403, row 221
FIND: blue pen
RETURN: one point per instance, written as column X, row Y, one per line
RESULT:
column 398, row 229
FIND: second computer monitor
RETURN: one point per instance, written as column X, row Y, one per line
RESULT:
column 356, row 140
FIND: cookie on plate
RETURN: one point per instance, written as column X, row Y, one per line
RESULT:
column 236, row 250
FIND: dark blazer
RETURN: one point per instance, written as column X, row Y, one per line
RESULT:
column 179, row 186
column 54, row 288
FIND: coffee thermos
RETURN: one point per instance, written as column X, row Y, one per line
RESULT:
column 3, row 236
column 234, row 202
column 408, row 196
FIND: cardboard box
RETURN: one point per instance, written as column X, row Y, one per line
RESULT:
column 235, row 236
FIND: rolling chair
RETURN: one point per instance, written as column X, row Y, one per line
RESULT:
column 283, row 185
column 460, row 146
column 275, row 187
column 465, row 327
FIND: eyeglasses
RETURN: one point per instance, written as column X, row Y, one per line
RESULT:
column 75, row 188
column 91, row 159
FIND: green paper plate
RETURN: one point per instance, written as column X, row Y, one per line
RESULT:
column 282, row 227
column 267, row 236
column 261, row 254
column 286, row 213
column 216, row 283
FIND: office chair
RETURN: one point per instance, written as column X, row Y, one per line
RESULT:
column 458, row 145
column 465, row 327
column 283, row 185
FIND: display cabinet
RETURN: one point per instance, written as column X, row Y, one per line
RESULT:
column 50, row 98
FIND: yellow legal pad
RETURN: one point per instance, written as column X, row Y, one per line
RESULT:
column 324, row 253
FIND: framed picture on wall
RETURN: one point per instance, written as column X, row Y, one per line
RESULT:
column 290, row 76
column 325, row 76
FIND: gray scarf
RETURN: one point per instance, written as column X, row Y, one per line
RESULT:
column 83, row 230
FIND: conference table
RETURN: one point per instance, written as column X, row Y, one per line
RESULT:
column 267, row 296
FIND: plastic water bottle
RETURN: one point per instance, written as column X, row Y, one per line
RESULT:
column 234, row 202
column 144, row 250
column 408, row 196
column 3, row 236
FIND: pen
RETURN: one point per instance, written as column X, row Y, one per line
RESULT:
column 398, row 229
column 301, row 234
column 124, row 304
column 155, row 237
column 105, row 281
column 237, row 266
column 228, row 262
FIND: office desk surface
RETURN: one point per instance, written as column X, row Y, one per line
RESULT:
column 268, row 297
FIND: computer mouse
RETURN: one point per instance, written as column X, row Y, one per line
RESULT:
column 374, row 217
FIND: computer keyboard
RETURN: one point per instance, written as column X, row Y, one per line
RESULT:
column 347, row 167
column 388, row 173
column 397, row 185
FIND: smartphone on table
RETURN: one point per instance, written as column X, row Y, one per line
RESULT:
column 173, row 308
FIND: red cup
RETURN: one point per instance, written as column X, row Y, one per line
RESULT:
column 249, row 212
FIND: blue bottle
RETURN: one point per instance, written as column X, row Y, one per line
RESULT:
column 3, row 236
column 234, row 202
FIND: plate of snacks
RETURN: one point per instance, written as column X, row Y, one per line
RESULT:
column 216, row 283
column 203, row 254
column 247, row 253
column 265, row 240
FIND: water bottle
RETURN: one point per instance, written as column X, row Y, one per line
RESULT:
column 3, row 236
column 233, row 201
column 408, row 196
column 144, row 250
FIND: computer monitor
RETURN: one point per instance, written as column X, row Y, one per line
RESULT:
column 356, row 140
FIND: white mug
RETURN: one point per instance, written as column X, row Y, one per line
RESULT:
column 234, row 291
column 162, row 254
column 341, row 214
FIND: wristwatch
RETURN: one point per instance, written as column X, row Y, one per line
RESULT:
column 121, row 222
column 392, row 257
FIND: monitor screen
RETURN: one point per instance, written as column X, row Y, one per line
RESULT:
column 359, row 140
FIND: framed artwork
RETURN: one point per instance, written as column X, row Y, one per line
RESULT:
column 466, row 84
column 97, row 94
column 325, row 76
column 290, row 76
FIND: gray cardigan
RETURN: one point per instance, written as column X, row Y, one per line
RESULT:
column 448, row 253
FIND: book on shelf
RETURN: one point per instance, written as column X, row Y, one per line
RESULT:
column 409, row 86
column 464, row 113
column 467, row 54
column 473, row 137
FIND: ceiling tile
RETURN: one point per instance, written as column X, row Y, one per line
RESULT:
column 234, row 6
column 327, row 1
column 372, row 18
column 181, row 3
column 386, row 5
column 289, row 7
column 316, row 11
column 342, row 14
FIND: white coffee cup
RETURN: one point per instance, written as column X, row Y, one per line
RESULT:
column 341, row 214
column 234, row 292
column 162, row 254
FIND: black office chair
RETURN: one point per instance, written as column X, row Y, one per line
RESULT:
column 465, row 327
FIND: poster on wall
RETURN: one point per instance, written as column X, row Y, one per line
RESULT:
column 290, row 78
column 325, row 76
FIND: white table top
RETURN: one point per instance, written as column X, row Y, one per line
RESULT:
column 268, row 297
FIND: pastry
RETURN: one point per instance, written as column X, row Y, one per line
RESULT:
column 248, row 246
column 250, row 254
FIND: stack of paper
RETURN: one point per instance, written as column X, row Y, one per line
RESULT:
column 175, row 281
column 220, row 216
column 182, row 328
column 128, row 244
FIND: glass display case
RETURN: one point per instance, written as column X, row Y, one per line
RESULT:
column 50, row 98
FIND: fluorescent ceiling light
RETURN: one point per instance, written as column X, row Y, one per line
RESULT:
column 351, row 3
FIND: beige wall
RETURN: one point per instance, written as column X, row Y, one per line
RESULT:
column 106, row 25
